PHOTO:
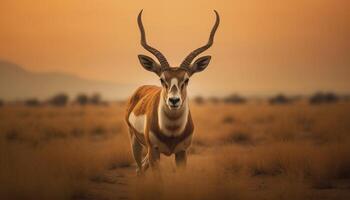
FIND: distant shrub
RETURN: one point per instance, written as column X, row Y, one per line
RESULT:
column 228, row 120
column 280, row 99
column 96, row 99
column 235, row 98
column 321, row 97
column 1, row 102
column 77, row 132
column 82, row 99
column 241, row 138
column 53, row 133
column 32, row 102
column 236, row 137
column 199, row 100
column 59, row 100
column 99, row 130
column 12, row 135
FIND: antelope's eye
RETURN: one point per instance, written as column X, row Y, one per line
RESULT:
column 184, row 84
column 163, row 82
column 186, row 81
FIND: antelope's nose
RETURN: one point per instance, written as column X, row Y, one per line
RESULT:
column 174, row 100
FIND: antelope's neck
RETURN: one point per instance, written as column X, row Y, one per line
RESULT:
column 172, row 122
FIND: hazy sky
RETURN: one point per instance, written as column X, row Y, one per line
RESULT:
column 262, row 46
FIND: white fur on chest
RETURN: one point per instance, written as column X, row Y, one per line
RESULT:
column 164, row 122
column 139, row 122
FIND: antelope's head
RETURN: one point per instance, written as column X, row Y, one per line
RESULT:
column 174, row 80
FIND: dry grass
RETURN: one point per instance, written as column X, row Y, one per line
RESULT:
column 248, row 151
column 51, row 152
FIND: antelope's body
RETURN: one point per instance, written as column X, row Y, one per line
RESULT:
column 152, row 123
column 159, row 118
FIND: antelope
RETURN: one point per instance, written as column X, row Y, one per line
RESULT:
column 159, row 118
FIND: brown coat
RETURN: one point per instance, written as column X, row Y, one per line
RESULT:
column 145, row 101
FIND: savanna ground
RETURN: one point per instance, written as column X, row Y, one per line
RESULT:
column 247, row 151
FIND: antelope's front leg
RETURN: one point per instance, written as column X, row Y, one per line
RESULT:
column 181, row 159
column 154, row 157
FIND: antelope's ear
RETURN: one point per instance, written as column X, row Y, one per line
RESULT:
column 149, row 64
column 200, row 64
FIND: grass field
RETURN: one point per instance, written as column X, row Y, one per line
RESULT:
column 245, row 151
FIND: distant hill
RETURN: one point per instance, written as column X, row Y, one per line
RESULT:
column 17, row 83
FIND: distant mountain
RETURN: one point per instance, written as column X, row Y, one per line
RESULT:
column 17, row 83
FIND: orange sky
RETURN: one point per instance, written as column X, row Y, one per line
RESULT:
column 261, row 47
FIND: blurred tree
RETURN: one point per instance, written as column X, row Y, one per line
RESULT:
column 199, row 100
column 59, row 100
column 82, row 99
column 280, row 99
column 235, row 98
column 32, row 102
column 321, row 97
column 96, row 99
